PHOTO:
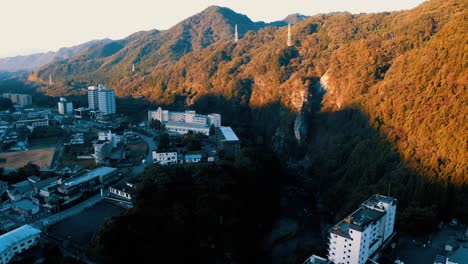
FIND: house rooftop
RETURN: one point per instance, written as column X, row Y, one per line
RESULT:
column 88, row 176
column 34, row 179
column 46, row 183
column 183, row 125
column 17, row 235
column 193, row 156
column 369, row 212
column 126, row 187
column 228, row 134
column 25, row 204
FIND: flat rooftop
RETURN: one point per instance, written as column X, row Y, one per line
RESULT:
column 369, row 212
column 183, row 125
column 101, row 171
column 228, row 134
column 11, row 238
column 26, row 204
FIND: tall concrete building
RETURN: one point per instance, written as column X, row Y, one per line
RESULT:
column 93, row 97
column 357, row 237
column 106, row 100
column 65, row 107
column 102, row 99
column 20, row 99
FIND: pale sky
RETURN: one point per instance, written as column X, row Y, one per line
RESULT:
column 30, row 26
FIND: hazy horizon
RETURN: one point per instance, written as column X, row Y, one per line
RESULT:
column 49, row 25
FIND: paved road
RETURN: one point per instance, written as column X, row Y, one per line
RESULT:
column 149, row 156
column 50, row 220
column 55, row 158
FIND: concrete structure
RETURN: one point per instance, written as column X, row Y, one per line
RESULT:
column 65, row 107
column 45, row 187
column 87, row 181
column 227, row 141
column 34, row 122
column 165, row 157
column 16, row 241
column 20, row 99
column 102, row 99
column 358, row 236
column 107, row 147
column 124, row 190
column 82, row 112
column 183, row 122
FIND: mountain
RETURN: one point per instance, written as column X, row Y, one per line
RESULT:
column 375, row 62
column 112, row 61
column 37, row 60
column 294, row 18
column 360, row 104
column 401, row 77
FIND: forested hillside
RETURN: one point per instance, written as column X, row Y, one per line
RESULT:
column 394, row 87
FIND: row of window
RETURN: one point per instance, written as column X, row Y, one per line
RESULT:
column 18, row 248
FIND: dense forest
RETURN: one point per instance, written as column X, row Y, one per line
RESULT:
column 192, row 213
column 359, row 104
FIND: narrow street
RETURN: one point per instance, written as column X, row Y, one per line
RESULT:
column 149, row 157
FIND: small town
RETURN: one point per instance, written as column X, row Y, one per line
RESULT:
column 64, row 162
column 232, row 132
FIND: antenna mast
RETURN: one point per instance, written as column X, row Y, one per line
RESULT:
column 236, row 34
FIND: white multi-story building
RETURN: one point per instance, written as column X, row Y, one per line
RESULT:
column 358, row 236
column 65, row 107
column 107, row 141
column 106, row 99
column 16, row 241
column 183, row 122
column 102, row 99
column 165, row 157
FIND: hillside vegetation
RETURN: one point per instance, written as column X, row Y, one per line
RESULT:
column 394, row 86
